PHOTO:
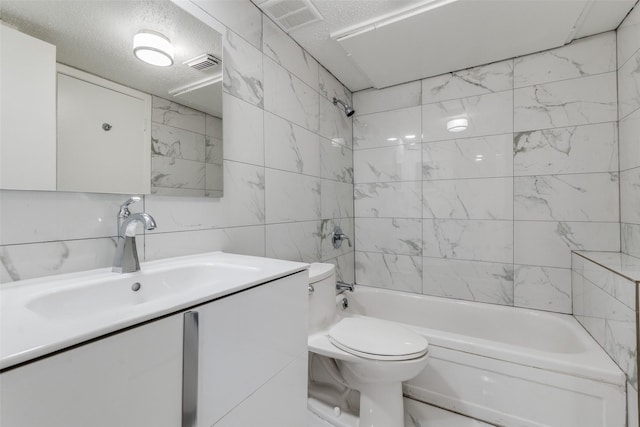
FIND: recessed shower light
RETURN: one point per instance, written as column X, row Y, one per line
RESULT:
column 153, row 48
column 457, row 125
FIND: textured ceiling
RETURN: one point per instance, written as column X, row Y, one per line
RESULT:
column 446, row 38
column 97, row 36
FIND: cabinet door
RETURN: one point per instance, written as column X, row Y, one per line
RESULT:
column 102, row 145
column 132, row 378
column 246, row 339
column 27, row 112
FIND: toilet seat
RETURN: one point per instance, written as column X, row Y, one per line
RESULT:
column 377, row 339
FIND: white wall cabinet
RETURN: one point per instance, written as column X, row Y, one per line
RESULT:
column 104, row 143
column 251, row 369
column 27, row 112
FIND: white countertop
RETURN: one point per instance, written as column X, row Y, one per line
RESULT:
column 40, row 316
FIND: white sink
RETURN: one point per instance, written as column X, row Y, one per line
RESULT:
column 47, row 314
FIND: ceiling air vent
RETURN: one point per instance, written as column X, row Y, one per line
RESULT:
column 291, row 14
column 203, row 62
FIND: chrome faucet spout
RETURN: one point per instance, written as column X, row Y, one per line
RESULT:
column 343, row 286
column 126, row 258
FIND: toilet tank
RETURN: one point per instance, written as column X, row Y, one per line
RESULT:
column 322, row 301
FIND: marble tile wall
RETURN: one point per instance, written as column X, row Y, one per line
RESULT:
column 629, row 127
column 288, row 173
column 490, row 214
column 186, row 151
column 605, row 303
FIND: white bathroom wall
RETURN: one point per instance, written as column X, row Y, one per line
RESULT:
column 288, row 175
column 490, row 214
column 629, row 116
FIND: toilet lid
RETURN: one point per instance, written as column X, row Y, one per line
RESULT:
column 377, row 339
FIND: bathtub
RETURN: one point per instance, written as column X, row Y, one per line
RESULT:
column 503, row 365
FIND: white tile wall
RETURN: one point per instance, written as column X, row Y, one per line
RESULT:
column 503, row 203
column 287, row 180
column 629, row 114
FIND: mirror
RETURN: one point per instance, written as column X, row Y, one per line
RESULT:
column 96, row 37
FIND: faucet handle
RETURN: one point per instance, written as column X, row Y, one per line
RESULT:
column 337, row 237
column 124, row 208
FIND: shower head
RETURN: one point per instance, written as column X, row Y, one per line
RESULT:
column 347, row 108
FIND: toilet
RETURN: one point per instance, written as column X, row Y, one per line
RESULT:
column 374, row 356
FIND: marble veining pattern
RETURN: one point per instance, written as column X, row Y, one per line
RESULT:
column 299, row 241
column 244, row 143
column 480, row 157
column 628, row 34
column 389, row 271
column 336, row 199
column 176, row 115
column 488, row 198
column 567, row 197
column 496, row 77
column 334, row 124
column 582, row 57
column 630, row 202
column 290, row 147
column 387, row 129
column 336, row 161
column 467, row 239
column 242, row 70
column 575, row 149
column 629, row 137
column 291, row 197
column 469, row 280
column 389, row 235
column 289, row 97
column 388, row 200
column 490, row 114
column 542, row 288
column 629, row 86
column 572, row 102
column 401, row 163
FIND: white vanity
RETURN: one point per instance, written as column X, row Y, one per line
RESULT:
column 212, row 339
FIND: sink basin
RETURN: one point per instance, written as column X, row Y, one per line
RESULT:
column 40, row 316
column 120, row 291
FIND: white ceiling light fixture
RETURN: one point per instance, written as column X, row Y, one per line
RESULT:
column 153, row 48
column 457, row 125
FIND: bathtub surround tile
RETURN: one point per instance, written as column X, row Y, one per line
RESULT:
column 213, row 126
column 389, row 271
column 242, row 70
column 468, row 280
column 334, row 124
column 474, row 240
column 388, row 164
column 582, row 57
column 288, row 54
column 387, row 99
column 575, row 149
column 495, row 77
column 27, row 261
column 484, row 198
column 629, row 86
column 549, row 243
column 579, row 101
column 629, row 129
column 543, row 288
column 176, row 115
column 628, row 34
column 389, row 235
column 331, row 88
column 336, row 161
column 387, row 129
column 583, row 197
column 294, row 242
column 243, row 143
column 291, row 197
column 480, row 157
column 289, row 97
column 490, row 114
column 290, row 147
column 345, row 267
column 336, row 199
column 632, row 406
column 630, row 201
column 388, row 200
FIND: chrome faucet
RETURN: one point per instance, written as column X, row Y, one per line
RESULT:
column 337, row 236
column 126, row 258
column 343, row 286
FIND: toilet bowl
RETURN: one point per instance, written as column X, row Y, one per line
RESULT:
column 373, row 356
